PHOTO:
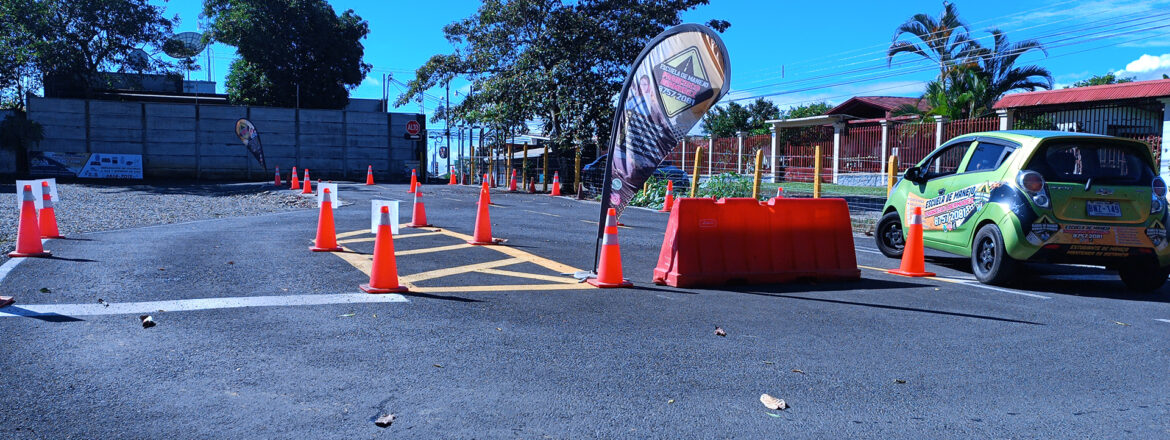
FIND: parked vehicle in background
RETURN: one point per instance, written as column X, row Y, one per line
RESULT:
column 1007, row 197
column 594, row 172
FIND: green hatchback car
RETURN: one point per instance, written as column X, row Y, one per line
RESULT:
column 1007, row 197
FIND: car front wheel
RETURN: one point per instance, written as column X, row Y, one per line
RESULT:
column 889, row 235
column 989, row 261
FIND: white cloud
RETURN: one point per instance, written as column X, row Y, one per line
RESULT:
column 1148, row 63
column 371, row 81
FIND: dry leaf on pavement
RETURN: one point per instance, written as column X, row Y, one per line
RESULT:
column 719, row 331
column 772, row 402
column 385, row 420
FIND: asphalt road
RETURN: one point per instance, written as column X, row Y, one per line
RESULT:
column 1065, row 354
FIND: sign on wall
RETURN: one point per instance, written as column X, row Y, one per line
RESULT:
column 413, row 130
column 85, row 165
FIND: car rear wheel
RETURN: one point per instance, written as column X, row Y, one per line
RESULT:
column 1143, row 277
column 989, row 261
column 889, row 235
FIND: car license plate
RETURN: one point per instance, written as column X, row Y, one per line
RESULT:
column 1099, row 208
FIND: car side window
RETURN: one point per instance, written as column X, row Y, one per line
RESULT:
column 987, row 157
column 946, row 161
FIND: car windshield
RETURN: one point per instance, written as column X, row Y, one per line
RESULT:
column 1103, row 161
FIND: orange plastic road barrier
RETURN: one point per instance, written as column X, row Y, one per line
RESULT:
column 370, row 175
column 913, row 255
column 384, row 273
column 28, row 234
column 47, row 217
column 743, row 240
column 556, row 186
column 669, row 197
column 277, row 181
column 418, row 218
column 296, row 184
column 413, row 181
column 326, row 234
column 512, row 183
column 609, row 268
column 483, row 222
column 308, row 189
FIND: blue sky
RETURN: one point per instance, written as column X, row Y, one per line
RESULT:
column 798, row 52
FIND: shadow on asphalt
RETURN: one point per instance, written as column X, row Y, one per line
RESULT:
column 1032, row 279
column 75, row 260
column 47, row 317
column 898, row 308
column 440, row 297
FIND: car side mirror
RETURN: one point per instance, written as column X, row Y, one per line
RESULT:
column 913, row 174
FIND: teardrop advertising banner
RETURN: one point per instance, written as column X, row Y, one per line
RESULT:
column 680, row 74
column 251, row 139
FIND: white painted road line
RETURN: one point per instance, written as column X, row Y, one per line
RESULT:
column 182, row 305
column 999, row 289
column 8, row 266
column 1164, row 320
column 868, row 251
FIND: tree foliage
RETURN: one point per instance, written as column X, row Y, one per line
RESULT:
column 726, row 121
column 971, row 77
column 1100, row 80
column 286, row 44
column 558, row 62
column 72, row 41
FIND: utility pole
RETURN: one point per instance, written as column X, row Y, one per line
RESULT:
column 447, row 123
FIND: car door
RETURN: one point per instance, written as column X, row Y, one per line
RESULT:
column 939, row 171
column 970, row 190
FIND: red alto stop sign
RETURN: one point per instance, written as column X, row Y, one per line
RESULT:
column 413, row 127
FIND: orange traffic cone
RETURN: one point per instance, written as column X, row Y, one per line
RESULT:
column 47, row 216
column 483, row 221
column 532, row 185
column 609, row 269
column 370, row 175
column 308, row 188
column 419, row 218
column 452, row 173
column 780, row 192
column 512, row 183
column 277, row 176
column 486, row 189
column 326, row 234
column 296, row 184
column 28, row 235
column 556, row 186
column 413, row 181
column 666, row 207
column 384, row 272
column 913, row 256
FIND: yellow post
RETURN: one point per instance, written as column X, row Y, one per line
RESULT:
column 524, row 166
column 544, row 188
column 695, row 174
column 509, row 172
column 893, row 173
column 756, row 182
column 577, row 171
column 817, row 172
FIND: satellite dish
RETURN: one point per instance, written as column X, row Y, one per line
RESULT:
column 138, row 60
column 184, row 45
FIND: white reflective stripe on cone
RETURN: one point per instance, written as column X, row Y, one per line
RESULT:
column 47, row 204
column 384, row 220
column 916, row 219
column 28, row 196
column 328, row 198
column 611, row 222
column 609, row 240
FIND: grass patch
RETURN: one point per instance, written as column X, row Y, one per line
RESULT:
column 769, row 189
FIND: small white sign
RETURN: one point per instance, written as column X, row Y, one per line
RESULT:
column 376, row 215
column 38, row 199
column 332, row 192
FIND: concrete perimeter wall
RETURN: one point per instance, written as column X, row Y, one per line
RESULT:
column 189, row 141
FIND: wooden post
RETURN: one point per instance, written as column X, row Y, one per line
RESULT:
column 524, row 165
column 695, row 175
column 739, row 152
column 577, row 170
column 756, row 181
column 509, row 171
column 817, row 172
column 544, row 187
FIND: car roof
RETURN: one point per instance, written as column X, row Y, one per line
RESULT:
column 1022, row 136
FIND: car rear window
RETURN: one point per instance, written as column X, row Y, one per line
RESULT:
column 1103, row 161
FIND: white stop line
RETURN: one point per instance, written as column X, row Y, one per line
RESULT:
column 182, row 305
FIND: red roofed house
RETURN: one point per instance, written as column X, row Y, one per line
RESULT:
column 875, row 107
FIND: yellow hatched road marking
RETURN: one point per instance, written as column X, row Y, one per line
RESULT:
column 517, row 253
column 396, row 237
column 534, row 276
column 542, row 213
column 434, row 249
column 594, row 223
column 505, row 287
column 458, row 270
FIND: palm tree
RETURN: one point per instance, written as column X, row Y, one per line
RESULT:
column 944, row 40
column 1002, row 74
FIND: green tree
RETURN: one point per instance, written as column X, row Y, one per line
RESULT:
column 1100, row 80
column 557, row 62
column 70, row 42
column 998, row 68
column 290, row 48
column 803, row 134
column 945, row 40
column 751, row 119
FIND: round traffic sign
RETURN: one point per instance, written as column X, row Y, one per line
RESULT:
column 413, row 127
